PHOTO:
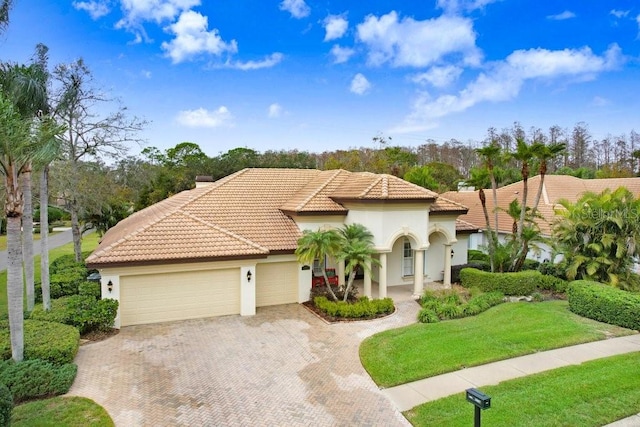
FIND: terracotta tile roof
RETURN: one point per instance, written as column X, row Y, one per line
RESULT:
column 462, row 226
column 244, row 215
column 369, row 186
column 555, row 188
column 444, row 205
column 316, row 195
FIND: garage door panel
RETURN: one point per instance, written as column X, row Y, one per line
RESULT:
column 179, row 296
column 277, row 283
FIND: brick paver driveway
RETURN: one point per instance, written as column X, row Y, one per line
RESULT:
column 281, row 367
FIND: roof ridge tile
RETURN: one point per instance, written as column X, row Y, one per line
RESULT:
column 224, row 230
column 329, row 180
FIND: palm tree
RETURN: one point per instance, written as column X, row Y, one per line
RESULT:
column 14, row 131
column 317, row 245
column 479, row 180
column 599, row 235
column 24, row 139
column 544, row 153
column 357, row 252
column 5, row 6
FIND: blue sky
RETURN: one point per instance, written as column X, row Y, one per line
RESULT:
column 321, row 75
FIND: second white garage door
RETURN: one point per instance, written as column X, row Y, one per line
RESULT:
column 277, row 283
column 165, row 297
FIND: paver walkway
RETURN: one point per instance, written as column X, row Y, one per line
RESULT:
column 406, row 396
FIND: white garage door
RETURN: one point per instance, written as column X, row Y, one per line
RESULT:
column 177, row 296
column 277, row 283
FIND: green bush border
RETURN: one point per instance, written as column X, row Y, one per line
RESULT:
column 604, row 303
column 54, row 342
column 520, row 283
column 364, row 307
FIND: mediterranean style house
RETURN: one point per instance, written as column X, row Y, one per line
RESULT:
column 227, row 247
column 554, row 189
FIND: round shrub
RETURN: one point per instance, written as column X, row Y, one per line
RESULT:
column 32, row 379
column 82, row 311
column 89, row 288
column 54, row 342
column 6, row 405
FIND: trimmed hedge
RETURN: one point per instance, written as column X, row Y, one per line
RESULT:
column 479, row 265
column 604, row 303
column 552, row 283
column 364, row 307
column 6, row 405
column 89, row 288
column 33, row 379
column 521, row 283
column 82, row 311
column 53, row 342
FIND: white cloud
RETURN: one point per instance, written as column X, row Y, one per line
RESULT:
column 137, row 12
column 335, row 26
column 275, row 110
column 567, row 14
column 297, row 8
column 268, row 62
column 146, row 74
column 360, row 85
column 438, row 76
column 192, row 38
column 457, row 6
column 417, row 43
column 341, row 54
column 505, row 79
column 205, row 118
column 619, row 13
column 95, row 9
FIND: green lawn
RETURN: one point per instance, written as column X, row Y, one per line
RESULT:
column 89, row 243
column 592, row 394
column 61, row 412
column 421, row 350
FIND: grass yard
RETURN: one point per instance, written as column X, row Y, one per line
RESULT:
column 89, row 243
column 422, row 350
column 592, row 394
column 61, row 412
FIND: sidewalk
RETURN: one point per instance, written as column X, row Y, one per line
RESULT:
column 406, row 396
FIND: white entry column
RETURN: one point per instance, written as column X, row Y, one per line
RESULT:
column 367, row 280
column 418, row 273
column 446, row 281
column 382, row 277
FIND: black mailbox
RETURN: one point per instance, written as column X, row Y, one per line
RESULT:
column 478, row 398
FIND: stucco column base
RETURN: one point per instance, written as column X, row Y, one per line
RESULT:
column 446, row 281
column 382, row 277
column 418, row 274
column 367, row 280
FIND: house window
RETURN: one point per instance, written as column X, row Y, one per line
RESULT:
column 317, row 267
column 407, row 259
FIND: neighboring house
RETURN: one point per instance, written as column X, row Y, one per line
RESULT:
column 555, row 188
column 227, row 247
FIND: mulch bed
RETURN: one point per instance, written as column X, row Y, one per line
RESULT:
column 96, row 336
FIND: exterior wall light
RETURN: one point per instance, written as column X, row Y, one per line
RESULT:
column 452, row 253
column 110, row 286
column 249, row 276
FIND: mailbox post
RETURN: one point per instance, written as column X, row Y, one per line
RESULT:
column 480, row 400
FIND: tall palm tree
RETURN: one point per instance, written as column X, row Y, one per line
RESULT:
column 25, row 139
column 14, row 131
column 317, row 245
column 524, row 155
column 544, row 153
